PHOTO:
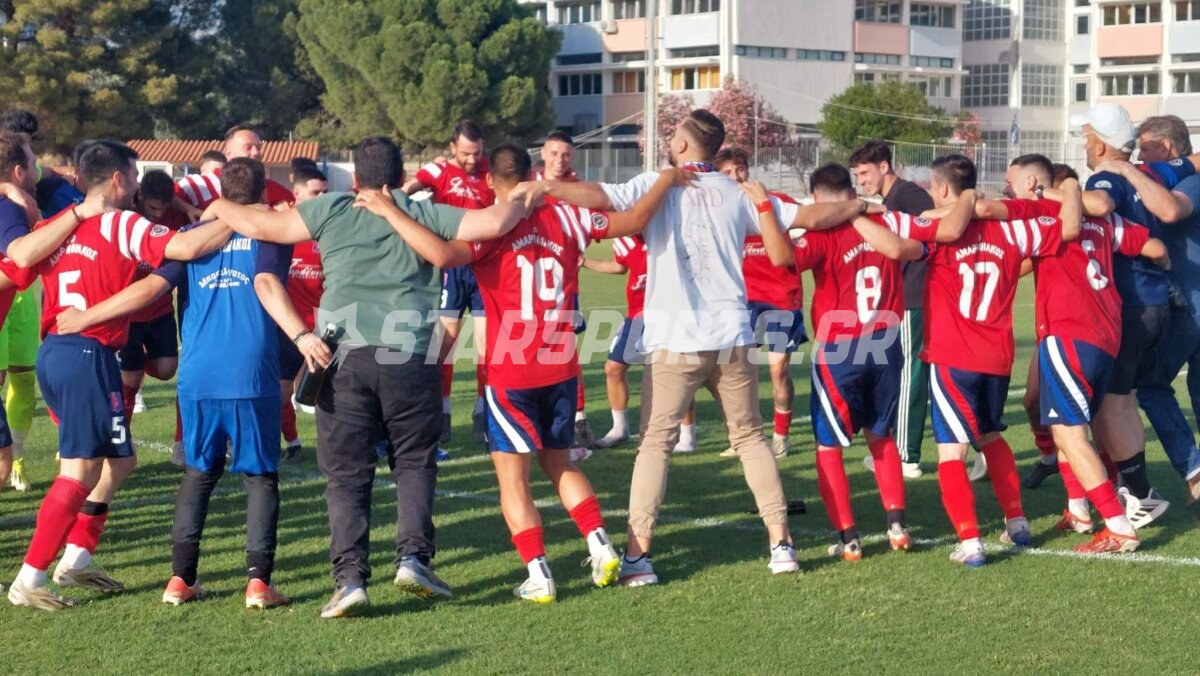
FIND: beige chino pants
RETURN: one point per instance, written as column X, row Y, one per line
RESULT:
column 670, row 384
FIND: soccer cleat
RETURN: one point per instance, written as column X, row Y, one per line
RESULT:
column 979, row 469
column 636, row 573
column 418, row 579
column 779, row 446
column 479, row 424
column 291, row 454
column 1040, row 472
column 584, row 436
column 1108, row 542
column 139, row 404
column 609, row 440
column 1143, row 511
column 441, row 455
column 846, row 551
column 446, row 429
column 971, row 557
column 261, row 595
column 605, row 563
column 18, row 479
column 899, row 538
column 783, row 559
column 538, row 591
column 580, row 453
column 347, row 601
column 1017, row 537
column 1071, row 521
column 177, row 457
column 90, row 577
column 41, row 598
column 178, row 593
column 729, row 453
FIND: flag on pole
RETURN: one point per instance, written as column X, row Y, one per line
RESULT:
column 1014, row 132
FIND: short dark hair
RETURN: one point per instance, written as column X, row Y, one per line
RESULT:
column 871, row 152
column 377, row 162
column 706, row 129
column 1062, row 172
column 243, row 180
column 468, row 129
column 12, row 151
column 20, row 121
column 1043, row 164
column 158, row 185
column 560, row 135
column 80, row 149
column 235, row 129
column 510, row 163
column 732, row 154
column 299, row 163
column 305, row 174
column 101, row 159
column 213, row 156
column 831, row 177
column 956, row 170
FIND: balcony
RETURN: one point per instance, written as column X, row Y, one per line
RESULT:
column 1113, row 42
column 882, row 38
column 941, row 42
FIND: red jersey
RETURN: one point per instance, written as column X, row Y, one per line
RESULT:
column 306, row 281
column 572, row 177
column 631, row 253
column 93, row 264
column 164, row 304
column 1076, row 298
column 765, row 282
column 200, row 190
column 970, row 290
column 858, row 290
column 455, row 187
column 529, row 280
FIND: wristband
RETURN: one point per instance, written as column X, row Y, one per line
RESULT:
column 298, row 336
column 764, row 206
column 75, row 214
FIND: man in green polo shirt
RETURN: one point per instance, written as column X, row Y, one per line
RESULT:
column 385, row 298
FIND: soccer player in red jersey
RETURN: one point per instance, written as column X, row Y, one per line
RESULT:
column 857, row 306
column 969, row 345
column 461, row 181
column 776, row 301
column 79, row 376
column 196, row 191
column 528, row 279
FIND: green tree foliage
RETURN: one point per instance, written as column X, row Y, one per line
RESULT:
column 413, row 68
column 903, row 115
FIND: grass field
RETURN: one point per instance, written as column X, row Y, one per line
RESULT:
column 717, row 609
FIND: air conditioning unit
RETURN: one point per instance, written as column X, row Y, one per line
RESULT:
column 609, row 26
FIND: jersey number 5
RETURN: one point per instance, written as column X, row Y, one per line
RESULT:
column 991, row 274
column 67, row 297
column 543, row 278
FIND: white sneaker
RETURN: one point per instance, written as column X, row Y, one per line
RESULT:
column 688, row 446
column 979, row 470
column 1141, row 512
column 538, row 591
column 579, row 454
column 139, row 404
column 910, row 470
column 783, row 559
column 637, row 573
column 779, row 446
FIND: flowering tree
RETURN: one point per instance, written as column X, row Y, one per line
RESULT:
column 672, row 108
column 736, row 105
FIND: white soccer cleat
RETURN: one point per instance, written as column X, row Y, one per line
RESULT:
column 41, row 598
column 89, row 577
column 605, row 562
column 1142, row 512
column 139, row 404
column 537, row 591
column 979, row 470
column 18, row 478
column 783, row 559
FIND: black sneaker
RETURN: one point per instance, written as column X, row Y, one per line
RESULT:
column 1040, row 472
column 291, row 454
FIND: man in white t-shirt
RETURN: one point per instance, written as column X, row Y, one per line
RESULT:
column 697, row 325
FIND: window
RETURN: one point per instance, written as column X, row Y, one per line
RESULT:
column 987, row 20
column 1080, row 69
column 626, row 57
column 1130, row 61
column 1186, row 82
column 577, row 59
column 872, row 78
column 1187, row 10
column 1186, row 58
column 629, row 9
column 695, row 6
column 1129, row 84
column 878, row 11
column 930, row 62
column 761, row 52
column 1080, row 92
column 1083, row 24
column 629, row 82
column 1041, row 85
column 579, row 12
column 934, row 87
column 878, row 59
column 985, row 85
column 697, row 77
column 580, row 84
column 938, row 16
column 819, row 55
column 692, row 52
column 1042, row 20
column 1127, row 13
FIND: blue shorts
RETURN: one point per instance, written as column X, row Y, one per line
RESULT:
column 460, row 292
column 528, row 420
column 1073, row 376
column 966, row 405
column 627, row 347
column 81, row 383
column 781, row 331
column 290, row 359
column 849, row 396
column 250, row 427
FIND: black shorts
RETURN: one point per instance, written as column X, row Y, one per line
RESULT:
column 154, row 339
column 290, row 359
column 1142, row 332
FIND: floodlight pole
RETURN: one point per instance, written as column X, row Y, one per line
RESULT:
column 650, row 113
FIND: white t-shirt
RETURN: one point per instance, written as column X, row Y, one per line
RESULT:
column 695, row 291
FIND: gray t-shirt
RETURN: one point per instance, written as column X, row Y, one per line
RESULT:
column 912, row 199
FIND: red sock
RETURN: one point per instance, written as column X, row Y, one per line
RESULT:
column 783, row 422
column 480, row 379
column 580, row 393
column 888, row 474
column 529, row 544
column 1043, row 440
column 287, row 418
column 129, row 395
column 1070, row 482
column 586, row 516
column 55, row 518
column 447, row 376
column 1111, row 469
column 1006, row 483
column 178, row 423
column 87, row 531
column 834, row 488
column 958, row 498
column 1104, row 497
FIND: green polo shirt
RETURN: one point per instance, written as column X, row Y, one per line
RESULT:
column 376, row 287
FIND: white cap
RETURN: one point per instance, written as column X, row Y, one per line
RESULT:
column 1111, row 123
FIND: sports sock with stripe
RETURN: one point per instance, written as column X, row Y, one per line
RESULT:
column 55, row 519
column 1105, row 499
column 1133, row 473
column 783, row 422
column 85, row 534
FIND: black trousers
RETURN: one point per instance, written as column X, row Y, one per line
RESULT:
column 365, row 399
